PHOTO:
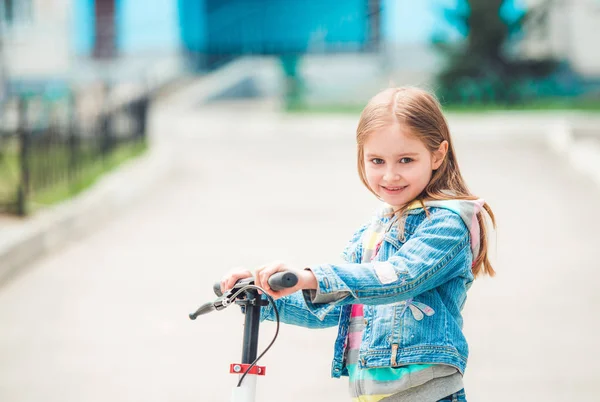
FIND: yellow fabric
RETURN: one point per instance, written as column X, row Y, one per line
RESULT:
column 370, row 398
column 373, row 240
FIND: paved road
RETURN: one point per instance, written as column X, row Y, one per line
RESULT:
column 105, row 319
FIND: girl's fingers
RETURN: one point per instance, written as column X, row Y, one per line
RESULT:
column 265, row 273
column 229, row 280
column 258, row 277
column 224, row 283
column 242, row 275
column 261, row 277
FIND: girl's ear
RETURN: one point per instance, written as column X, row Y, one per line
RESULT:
column 439, row 155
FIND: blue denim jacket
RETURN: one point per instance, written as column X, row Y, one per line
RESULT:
column 426, row 269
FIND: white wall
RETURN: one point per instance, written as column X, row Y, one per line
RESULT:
column 583, row 48
column 39, row 48
column 573, row 35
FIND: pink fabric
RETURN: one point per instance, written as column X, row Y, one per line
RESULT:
column 354, row 339
column 357, row 310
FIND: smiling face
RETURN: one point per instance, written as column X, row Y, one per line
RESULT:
column 397, row 164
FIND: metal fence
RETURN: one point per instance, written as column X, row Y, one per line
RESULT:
column 53, row 145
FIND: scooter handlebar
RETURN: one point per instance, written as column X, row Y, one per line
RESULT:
column 277, row 281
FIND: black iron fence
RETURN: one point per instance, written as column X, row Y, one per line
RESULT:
column 49, row 147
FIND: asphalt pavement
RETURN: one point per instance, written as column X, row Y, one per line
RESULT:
column 105, row 317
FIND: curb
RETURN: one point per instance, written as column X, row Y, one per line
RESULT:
column 574, row 135
column 579, row 141
column 77, row 217
column 51, row 228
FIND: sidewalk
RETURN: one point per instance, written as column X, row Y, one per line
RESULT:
column 24, row 240
column 107, row 316
column 237, row 183
column 186, row 114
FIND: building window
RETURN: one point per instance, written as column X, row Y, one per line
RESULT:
column 15, row 11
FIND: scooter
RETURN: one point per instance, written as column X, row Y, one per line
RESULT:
column 245, row 293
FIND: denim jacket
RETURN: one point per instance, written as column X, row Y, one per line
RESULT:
column 413, row 292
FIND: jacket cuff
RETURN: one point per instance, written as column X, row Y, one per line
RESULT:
column 266, row 312
column 324, row 299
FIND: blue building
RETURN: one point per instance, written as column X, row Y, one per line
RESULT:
column 278, row 26
column 124, row 36
column 105, row 29
column 109, row 28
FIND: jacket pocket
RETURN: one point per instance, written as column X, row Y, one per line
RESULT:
column 379, row 326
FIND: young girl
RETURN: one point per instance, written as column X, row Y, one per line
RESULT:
column 398, row 299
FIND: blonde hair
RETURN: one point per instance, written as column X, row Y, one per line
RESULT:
column 420, row 112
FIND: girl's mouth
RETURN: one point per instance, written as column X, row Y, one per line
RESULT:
column 393, row 190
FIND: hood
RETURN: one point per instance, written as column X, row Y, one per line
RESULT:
column 466, row 209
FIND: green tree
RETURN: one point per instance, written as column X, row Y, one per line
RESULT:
column 483, row 67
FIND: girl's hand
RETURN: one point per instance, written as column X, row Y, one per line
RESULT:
column 306, row 279
column 232, row 277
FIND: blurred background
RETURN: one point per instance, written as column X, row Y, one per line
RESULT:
column 147, row 147
column 93, row 66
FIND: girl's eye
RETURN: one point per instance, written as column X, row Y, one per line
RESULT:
column 406, row 160
column 377, row 161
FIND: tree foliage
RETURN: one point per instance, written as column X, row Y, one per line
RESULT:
column 485, row 63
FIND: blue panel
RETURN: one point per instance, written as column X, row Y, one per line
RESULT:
column 416, row 22
column 316, row 24
column 192, row 23
column 147, row 26
column 275, row 26
column 83, row 27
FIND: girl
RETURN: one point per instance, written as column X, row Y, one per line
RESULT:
column 398, row 298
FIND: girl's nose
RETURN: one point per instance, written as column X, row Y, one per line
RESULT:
column 390, row 175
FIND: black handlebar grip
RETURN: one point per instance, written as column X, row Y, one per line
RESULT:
column 282, row 280
column 217, row 289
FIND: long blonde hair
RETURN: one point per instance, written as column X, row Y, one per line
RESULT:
column 420, row 112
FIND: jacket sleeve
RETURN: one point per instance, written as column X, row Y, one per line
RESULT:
column 438, row 250
column 293, row 310
column 353, row 251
